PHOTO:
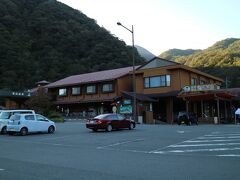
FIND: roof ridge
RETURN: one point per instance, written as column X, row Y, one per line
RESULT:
column 97, row 76
column 102, row 71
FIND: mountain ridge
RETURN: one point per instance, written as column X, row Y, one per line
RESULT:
column 222, row 59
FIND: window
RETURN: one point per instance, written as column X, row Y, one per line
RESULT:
column 62, row 92
column 76, row 90
column 107, row 88
column 41, row 118
column 5, row 115
column 91, row 89
column 202, row 82
column 168, row 80
column 146, row 82
column 29, row 117
column 15, row 118
column 112, row 117
column 157, row 81
column 193, row 81
column 120, row 117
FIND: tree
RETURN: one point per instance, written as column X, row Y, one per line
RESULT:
column 40, row 102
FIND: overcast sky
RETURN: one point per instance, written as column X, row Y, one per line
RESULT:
column 160, row 25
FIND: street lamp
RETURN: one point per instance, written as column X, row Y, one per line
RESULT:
column 133, row 78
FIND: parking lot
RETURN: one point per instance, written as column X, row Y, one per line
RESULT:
column 147, row 152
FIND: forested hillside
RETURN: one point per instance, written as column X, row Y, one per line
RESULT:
column 222, row 60
column 45, row 39
column 174, row 53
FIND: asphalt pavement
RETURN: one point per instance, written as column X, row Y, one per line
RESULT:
column 149, row 152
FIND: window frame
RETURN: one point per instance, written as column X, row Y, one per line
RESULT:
column 107, row 91
column 95, row 90
column 195, row 80
column 76, row 94
column 26, row 117
column 202, row 82
column 65, row 94
column 162, row 83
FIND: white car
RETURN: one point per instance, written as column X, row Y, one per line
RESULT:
column 6, row 114
column 29, row 123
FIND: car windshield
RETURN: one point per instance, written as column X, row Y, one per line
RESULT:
column 5, row 115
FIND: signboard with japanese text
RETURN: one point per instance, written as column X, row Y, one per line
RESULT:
column 204, row 87
column 126, row 109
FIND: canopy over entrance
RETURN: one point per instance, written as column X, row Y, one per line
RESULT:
column 209, row 102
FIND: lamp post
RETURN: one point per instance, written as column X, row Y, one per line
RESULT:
column 133, row 77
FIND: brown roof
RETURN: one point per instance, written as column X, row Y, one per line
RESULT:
column 235, row 91
column 91, row 77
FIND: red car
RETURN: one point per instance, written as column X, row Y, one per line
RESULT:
column 110, row 122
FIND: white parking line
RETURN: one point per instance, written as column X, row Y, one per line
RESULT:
column 2, row 169
column 119, row 143
column 218, row 140
column 220, row 137
column 162, row 148
column 229, row 155
column 196, row 150
column 232, row 134
column 198, row 145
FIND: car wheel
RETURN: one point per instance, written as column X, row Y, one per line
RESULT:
column 51, row 129
column 24, row 131
column 4, row 130
column 131, row 126
column 109, row 128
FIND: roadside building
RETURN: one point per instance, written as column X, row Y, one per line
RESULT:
column 164, row 80
column 13, row 99
column 163, row 89
column 177, row 87
column 91, row 93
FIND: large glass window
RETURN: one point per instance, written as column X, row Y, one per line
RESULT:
column 146, row 82
column 91, row 89
column 76, row 90
column 107, row 88
column 157, row 81
column 62, row 92
column 193, row 81
column 202, row 82
column 168, row 80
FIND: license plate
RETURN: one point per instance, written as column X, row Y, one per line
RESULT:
column 91, row 122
